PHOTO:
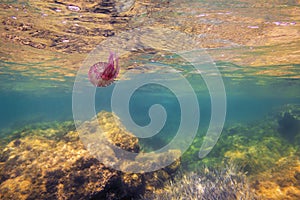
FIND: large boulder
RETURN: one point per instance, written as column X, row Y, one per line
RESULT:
column 39, row 166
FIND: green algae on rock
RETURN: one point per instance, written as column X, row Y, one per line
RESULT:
column 49, row 164
column 49, row 130
column 271, row 162
column 105, row 133
column 289, row 123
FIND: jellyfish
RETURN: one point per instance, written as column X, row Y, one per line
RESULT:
column 103, row 74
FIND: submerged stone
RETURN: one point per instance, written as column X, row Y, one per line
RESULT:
column 271, row 162
column 289, row 123
column 52, row 163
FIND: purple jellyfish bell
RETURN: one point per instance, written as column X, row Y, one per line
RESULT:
column 102, row 74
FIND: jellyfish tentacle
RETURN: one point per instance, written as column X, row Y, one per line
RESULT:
column 110, row 70
column 117, row 67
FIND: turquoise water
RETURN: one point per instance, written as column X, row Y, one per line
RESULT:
column 246, row 102
column 254, row 45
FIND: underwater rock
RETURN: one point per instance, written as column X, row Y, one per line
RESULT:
column 52, row 163
column 48, row 130
column 112, row 134
column 52, row 170
column 255, row 148
column 289, row 123
column 281, row 181
column 271, row 162
column 258, row 156
column 207, row 184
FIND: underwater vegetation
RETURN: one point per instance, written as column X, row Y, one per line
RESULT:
column 289, row 123
column 207, row 184
column 267, row 150
column 256, row 146
column 50, row 130
column 49, row 163
column 47, row 40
